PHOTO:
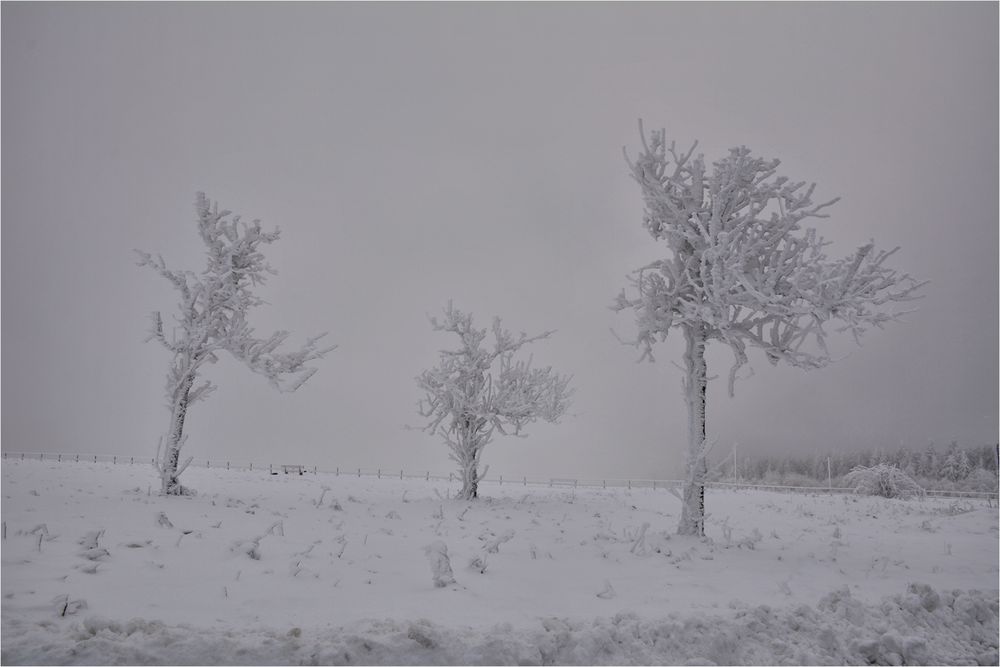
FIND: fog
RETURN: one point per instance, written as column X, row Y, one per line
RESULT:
column 416, row 153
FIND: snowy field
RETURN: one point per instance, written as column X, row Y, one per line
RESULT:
column 318, row 569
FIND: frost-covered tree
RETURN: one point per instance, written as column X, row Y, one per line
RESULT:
column 743, row 271
column 956, row 464
column 480, row 389
column 212, row 318
column 931, row 462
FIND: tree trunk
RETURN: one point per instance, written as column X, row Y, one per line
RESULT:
column 468, row 439
column 171, row 457
column 695, row 385
column 470, row 480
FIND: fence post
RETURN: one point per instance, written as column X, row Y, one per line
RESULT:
column 501, row 480
column 270, row 468
column 604, row 483
column 574, row 483
column 22, row 456
column 58, row 458
column 526, row 481
column 251, row 465
column 95, row 458
column 401, row 474
column 379, row 474
column 208, row 464
column 131, row 460
column 338, row 471
column 114, row 459
column 629, row 485
column 550, row 482
column 41, row 457
column 227, row 465
column 314, row 470
column 359, row 473
column 427, row 478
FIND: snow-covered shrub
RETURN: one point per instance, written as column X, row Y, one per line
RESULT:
column 883, row 480
column 437, row 554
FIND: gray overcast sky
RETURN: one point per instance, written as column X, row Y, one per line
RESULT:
column 413, row 152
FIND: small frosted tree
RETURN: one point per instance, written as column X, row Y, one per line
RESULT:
column 477, row 390
column 743, row 272
column 212, row 318
column 884, row 480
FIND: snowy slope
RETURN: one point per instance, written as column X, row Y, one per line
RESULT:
column 322, row 569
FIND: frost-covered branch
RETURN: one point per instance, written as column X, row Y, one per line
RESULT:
column 743, row 266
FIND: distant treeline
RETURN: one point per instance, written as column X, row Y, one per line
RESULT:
column 953, row 468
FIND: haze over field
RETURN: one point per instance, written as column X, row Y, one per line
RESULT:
column 416, row 153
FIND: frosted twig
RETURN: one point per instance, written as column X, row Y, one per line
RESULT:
column 640, row 540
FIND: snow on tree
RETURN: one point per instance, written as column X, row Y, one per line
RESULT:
column 883, row 480
column 931, row 462
column 212, row 318
column 477, row 390
column 743, row 272
column 956, row 464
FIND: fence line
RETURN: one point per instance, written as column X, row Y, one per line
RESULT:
column 379, row 473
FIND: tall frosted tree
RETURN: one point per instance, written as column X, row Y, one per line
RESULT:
column 477, row 390
column 742, row 270
column 212, row 318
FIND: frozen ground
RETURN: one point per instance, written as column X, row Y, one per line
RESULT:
column 321, row 569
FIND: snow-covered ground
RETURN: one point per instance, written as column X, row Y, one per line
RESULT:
column 319, row 569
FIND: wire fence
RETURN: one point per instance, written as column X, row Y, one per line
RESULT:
column 500, row 480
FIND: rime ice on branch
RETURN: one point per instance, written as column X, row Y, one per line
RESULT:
column 212, row 318
column 743, row 271
column 474, row 391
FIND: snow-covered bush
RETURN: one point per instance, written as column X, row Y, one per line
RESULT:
column 475, row 390
column 437, row 555
column 883, row 480
column 741, row 270
column 212, row 318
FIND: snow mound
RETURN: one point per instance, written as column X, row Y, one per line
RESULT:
column 919, row 626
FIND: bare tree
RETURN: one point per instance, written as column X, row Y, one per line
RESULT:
column 474, row 391
column 212, row 318
column 742, row 271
